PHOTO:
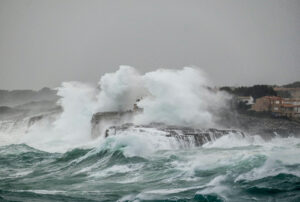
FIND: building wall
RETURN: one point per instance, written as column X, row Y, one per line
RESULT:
column 278, row 106
column 267, row 103
column 261, row 104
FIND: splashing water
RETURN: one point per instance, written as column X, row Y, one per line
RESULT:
column 133, row 168
column 185, row 100
column 56, row 159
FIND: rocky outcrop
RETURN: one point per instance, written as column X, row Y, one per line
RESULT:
column 183, row 135
column 267, row 127
column 102, row 120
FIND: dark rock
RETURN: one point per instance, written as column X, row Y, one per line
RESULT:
column 268, row 127
column 102, row 120
column 184, row 135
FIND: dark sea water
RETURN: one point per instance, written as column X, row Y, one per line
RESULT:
column 58, row 152
column 123, row 169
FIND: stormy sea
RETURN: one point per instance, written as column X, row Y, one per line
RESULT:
column 160, row 136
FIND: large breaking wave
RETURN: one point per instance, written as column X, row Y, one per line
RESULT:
column 178, row 97
column 53, row 156
column 130, row 169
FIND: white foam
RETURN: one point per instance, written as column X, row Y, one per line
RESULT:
column 115, row 169
column 120, row 90
column 215, row 187
column 182, row 100
column 179, row 97
column 139, row 142
column 235, row 140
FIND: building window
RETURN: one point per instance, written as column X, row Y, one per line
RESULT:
column 275, row 108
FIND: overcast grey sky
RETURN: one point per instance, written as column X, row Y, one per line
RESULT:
column 45, row 42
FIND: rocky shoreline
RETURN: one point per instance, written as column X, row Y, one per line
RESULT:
column 268, row 127
column 229, row 122
column 113, row 123
column 186, row 136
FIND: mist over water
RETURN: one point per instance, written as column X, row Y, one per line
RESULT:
column 54, row 157
column 178, row 97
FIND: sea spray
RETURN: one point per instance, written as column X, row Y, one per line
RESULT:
column 60, row 161
column 178, row 97
column 120, row 90
column 79, row 103
column 71, row 127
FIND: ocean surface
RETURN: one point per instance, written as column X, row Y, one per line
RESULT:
column 60, row 153
column 120, row 168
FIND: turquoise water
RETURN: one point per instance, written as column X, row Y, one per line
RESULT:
column 230, row 169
